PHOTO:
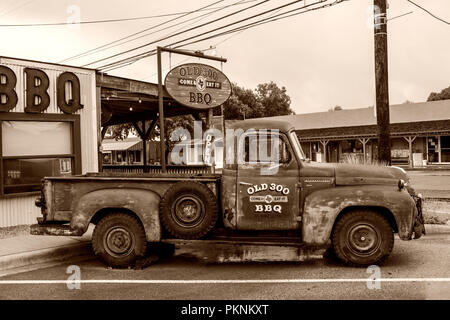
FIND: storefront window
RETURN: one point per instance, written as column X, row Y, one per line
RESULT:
column 32, row 150
column 445, row 148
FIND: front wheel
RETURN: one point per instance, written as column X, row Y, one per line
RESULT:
column 119, row 239
column 362, row 238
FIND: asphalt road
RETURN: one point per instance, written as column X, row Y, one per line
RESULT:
column 419, row 260
column 432, row 183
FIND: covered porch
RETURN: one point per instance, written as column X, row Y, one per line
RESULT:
column 125, row 100
column 411, row 149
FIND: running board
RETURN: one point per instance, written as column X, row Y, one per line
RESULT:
column 233, row 251
column 54, row 230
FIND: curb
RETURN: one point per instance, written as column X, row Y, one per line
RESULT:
column 43, row 256
column 436, row 228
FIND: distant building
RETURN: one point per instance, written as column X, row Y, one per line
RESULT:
column 129, row 152
column 420, row 134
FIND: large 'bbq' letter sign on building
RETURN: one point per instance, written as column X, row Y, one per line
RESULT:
column 198, row 85
column 37, row 98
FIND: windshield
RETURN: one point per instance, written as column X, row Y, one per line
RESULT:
column 297, row 146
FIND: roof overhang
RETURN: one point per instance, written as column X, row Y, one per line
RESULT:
column 126, row 100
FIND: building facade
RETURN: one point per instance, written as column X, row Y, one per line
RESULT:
column 48, row 127
column 420, row 134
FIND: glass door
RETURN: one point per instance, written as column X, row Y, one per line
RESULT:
column 433, row 149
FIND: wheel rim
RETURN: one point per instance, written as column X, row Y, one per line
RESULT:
column 363, row 239
column 188, row 211
column 119, row 242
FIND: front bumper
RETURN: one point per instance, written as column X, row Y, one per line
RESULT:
column 419, row 223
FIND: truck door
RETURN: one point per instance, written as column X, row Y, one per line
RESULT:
column 267, row 190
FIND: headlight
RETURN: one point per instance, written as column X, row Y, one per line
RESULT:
column 401, row 184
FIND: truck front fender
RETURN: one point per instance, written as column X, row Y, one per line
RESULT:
column 322, row 207
column 144, row 203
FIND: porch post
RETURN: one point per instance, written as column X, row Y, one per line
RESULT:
column 324, row 145
column 410, row 140
column 364, row 142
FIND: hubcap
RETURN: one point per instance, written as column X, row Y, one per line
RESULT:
column 364, row 239
column 119, row 242
column 188, row 211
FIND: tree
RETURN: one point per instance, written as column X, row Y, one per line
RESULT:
column 275, row 101
column 243, row 104
column 266, row 101
column 443, row 95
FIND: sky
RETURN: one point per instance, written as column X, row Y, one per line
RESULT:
column 323, row 58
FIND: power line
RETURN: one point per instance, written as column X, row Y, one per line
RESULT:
column 280, row 16
column 218, row 28
column 221, row 18
column 94, row 21
column 431, row 14
column 284, row 15
column 97, row 49
column 153, row 51
column 176, row 34
column 195, row 20
column 184, row 60
column 103, row 21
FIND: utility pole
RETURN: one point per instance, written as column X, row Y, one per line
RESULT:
column 382, row 81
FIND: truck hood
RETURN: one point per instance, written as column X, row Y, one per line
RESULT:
column 354, row 174
column 347, row 174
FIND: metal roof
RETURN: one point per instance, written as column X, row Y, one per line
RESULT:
column 400, row 113
column 127, row 144
column 259, row 124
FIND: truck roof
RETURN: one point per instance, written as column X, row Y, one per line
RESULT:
column 258, row 124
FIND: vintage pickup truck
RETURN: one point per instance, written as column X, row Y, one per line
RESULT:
column 354, row 209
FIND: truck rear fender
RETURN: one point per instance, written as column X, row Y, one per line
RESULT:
column 323, row 208
column 142, row 203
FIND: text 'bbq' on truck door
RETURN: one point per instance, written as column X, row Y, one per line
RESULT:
column 267, row 182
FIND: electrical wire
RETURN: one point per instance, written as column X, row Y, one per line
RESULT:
column 105, row 21
column 218, row 28
column 178, row 33
column 431, row 14
column 97, row 49
column 195, row 20
column 204, row 50
column 261, row 22
column 241, row 28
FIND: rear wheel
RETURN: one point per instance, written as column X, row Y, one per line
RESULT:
column 119, row 239
column 362, row 238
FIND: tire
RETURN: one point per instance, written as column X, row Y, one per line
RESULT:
column 188, row 210
column 362, row 238
column 119, row 240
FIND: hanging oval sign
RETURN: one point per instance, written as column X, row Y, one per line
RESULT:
column 198, row 86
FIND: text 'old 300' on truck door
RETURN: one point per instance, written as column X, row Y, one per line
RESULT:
column 267, row 185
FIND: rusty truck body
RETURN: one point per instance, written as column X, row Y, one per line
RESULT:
column 354, row 209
